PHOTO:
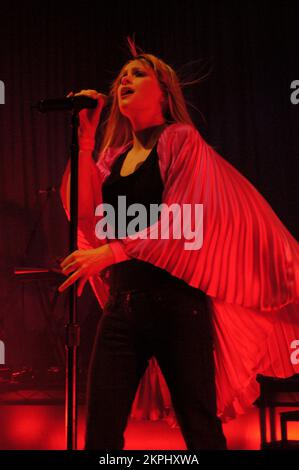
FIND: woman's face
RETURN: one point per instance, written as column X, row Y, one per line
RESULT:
column 139, row 90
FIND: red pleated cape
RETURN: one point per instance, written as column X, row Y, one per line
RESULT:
column 248, row 264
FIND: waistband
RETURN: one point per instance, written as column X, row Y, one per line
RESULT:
column 136, row 275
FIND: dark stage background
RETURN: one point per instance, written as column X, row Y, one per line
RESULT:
column 250, row 50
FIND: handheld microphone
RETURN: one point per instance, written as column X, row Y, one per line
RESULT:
column 72, row 103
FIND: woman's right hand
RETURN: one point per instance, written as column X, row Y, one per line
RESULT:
column 89, row 118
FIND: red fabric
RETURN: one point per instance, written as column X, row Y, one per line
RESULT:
column 248, row 264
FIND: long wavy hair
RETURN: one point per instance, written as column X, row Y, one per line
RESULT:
column 118, row 130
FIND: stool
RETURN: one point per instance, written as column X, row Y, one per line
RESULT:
column 274, row 393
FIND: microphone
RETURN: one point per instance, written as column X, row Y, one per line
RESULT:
column 72, row 103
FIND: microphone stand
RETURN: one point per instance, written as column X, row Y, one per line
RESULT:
column 72, row 327
column 75, row 103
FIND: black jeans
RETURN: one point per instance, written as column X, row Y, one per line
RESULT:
column 174, row 325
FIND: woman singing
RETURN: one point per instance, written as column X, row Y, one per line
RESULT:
column 212, row 294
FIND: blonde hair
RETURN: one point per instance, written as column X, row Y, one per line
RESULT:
column 117, row 127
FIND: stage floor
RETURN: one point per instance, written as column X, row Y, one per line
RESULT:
column 41, row 427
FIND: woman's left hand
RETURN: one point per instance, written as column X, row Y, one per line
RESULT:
column 85, row 263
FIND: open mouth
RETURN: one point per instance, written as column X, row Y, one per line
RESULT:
column 127, row 92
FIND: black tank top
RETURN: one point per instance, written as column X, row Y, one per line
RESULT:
column 143, row 186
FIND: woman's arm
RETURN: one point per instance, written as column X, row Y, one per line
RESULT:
column 88, row 175
column 91, row 258
column 88, row 181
